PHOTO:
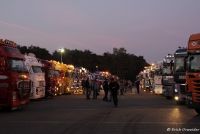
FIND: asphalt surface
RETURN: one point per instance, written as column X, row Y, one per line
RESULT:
column 73, row 114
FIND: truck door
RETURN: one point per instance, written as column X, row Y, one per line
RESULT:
column 3, row 81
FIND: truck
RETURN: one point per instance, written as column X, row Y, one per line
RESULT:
column 59, row 74
column 180, row 91
column 157, row 81
column 193, row 71
column 167, row 76
column 69, row 74
column 36, row 75
column 146, row 79
column 50, row 78
column 15, row 83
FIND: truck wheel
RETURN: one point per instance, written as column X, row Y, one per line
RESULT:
column 197, row 110
column 7, row 108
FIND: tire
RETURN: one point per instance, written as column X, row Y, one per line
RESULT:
column 7, row 108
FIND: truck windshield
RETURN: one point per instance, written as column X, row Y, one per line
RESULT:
column 166, row 70
column 37, row 69
column 194, row 64
column 180, row 64
column 53, row 73
column 50, row 73
column 16, row 65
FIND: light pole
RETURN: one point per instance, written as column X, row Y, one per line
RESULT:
column 62, row 50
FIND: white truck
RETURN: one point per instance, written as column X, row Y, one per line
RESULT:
column 158, row 89
column 36, row 75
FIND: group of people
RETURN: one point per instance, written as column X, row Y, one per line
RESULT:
column 109, row 85
column 91, row 86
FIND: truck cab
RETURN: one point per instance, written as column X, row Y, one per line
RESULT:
column 14, row 77
column 193, row 71
column 36, row 75
column 180, row 75
column 158, row 81
column 167, row 76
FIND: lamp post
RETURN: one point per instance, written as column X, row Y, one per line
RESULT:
column 97, row 68
column 62, row 50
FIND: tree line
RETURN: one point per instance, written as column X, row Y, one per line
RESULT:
column 119, row 62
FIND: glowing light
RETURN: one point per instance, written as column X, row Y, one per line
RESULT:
column 62, row 50
column 23, row 76
column 176, row 98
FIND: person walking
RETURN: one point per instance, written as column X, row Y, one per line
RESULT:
column 83, row 85
column 114, row 87
column 94, row 88
column 88, row 90
column 105, row 88
column 121, row 87
column 137, row 84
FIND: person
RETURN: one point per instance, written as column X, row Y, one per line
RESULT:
column 121, row 85
column 87, row 87
column 114, row 87
column 137, row 84
column 105, row 88
column 94, row 88
column 83, row 86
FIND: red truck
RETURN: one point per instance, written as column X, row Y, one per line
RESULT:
column 50, row 78
column 14, row 77
column 193, row 71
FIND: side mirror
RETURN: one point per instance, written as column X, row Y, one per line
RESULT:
column 191, row 58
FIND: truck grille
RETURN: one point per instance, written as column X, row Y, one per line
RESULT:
column 23, row 84
column 182, row 89
column 41, row 83
column 168, row 80
column 24, row 88
column 196, row 85
column 197, row 81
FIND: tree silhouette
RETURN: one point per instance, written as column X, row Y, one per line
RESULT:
column 119, row 63
column 40, row 53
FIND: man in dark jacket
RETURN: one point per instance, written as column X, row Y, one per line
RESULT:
column 87, row 87
column 105, row 88
column 137, row 84
column 114, row 87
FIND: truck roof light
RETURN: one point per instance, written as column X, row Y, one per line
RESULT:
column 8, row 43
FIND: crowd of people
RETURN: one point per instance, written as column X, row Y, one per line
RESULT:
column 112, row 87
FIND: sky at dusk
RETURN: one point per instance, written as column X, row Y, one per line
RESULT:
column 149, row 28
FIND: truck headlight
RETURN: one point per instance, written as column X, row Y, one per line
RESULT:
column 176, row 98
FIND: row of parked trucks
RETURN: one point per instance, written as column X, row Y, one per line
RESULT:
column 185, row 74
column 24, row 77
column 178, row 75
